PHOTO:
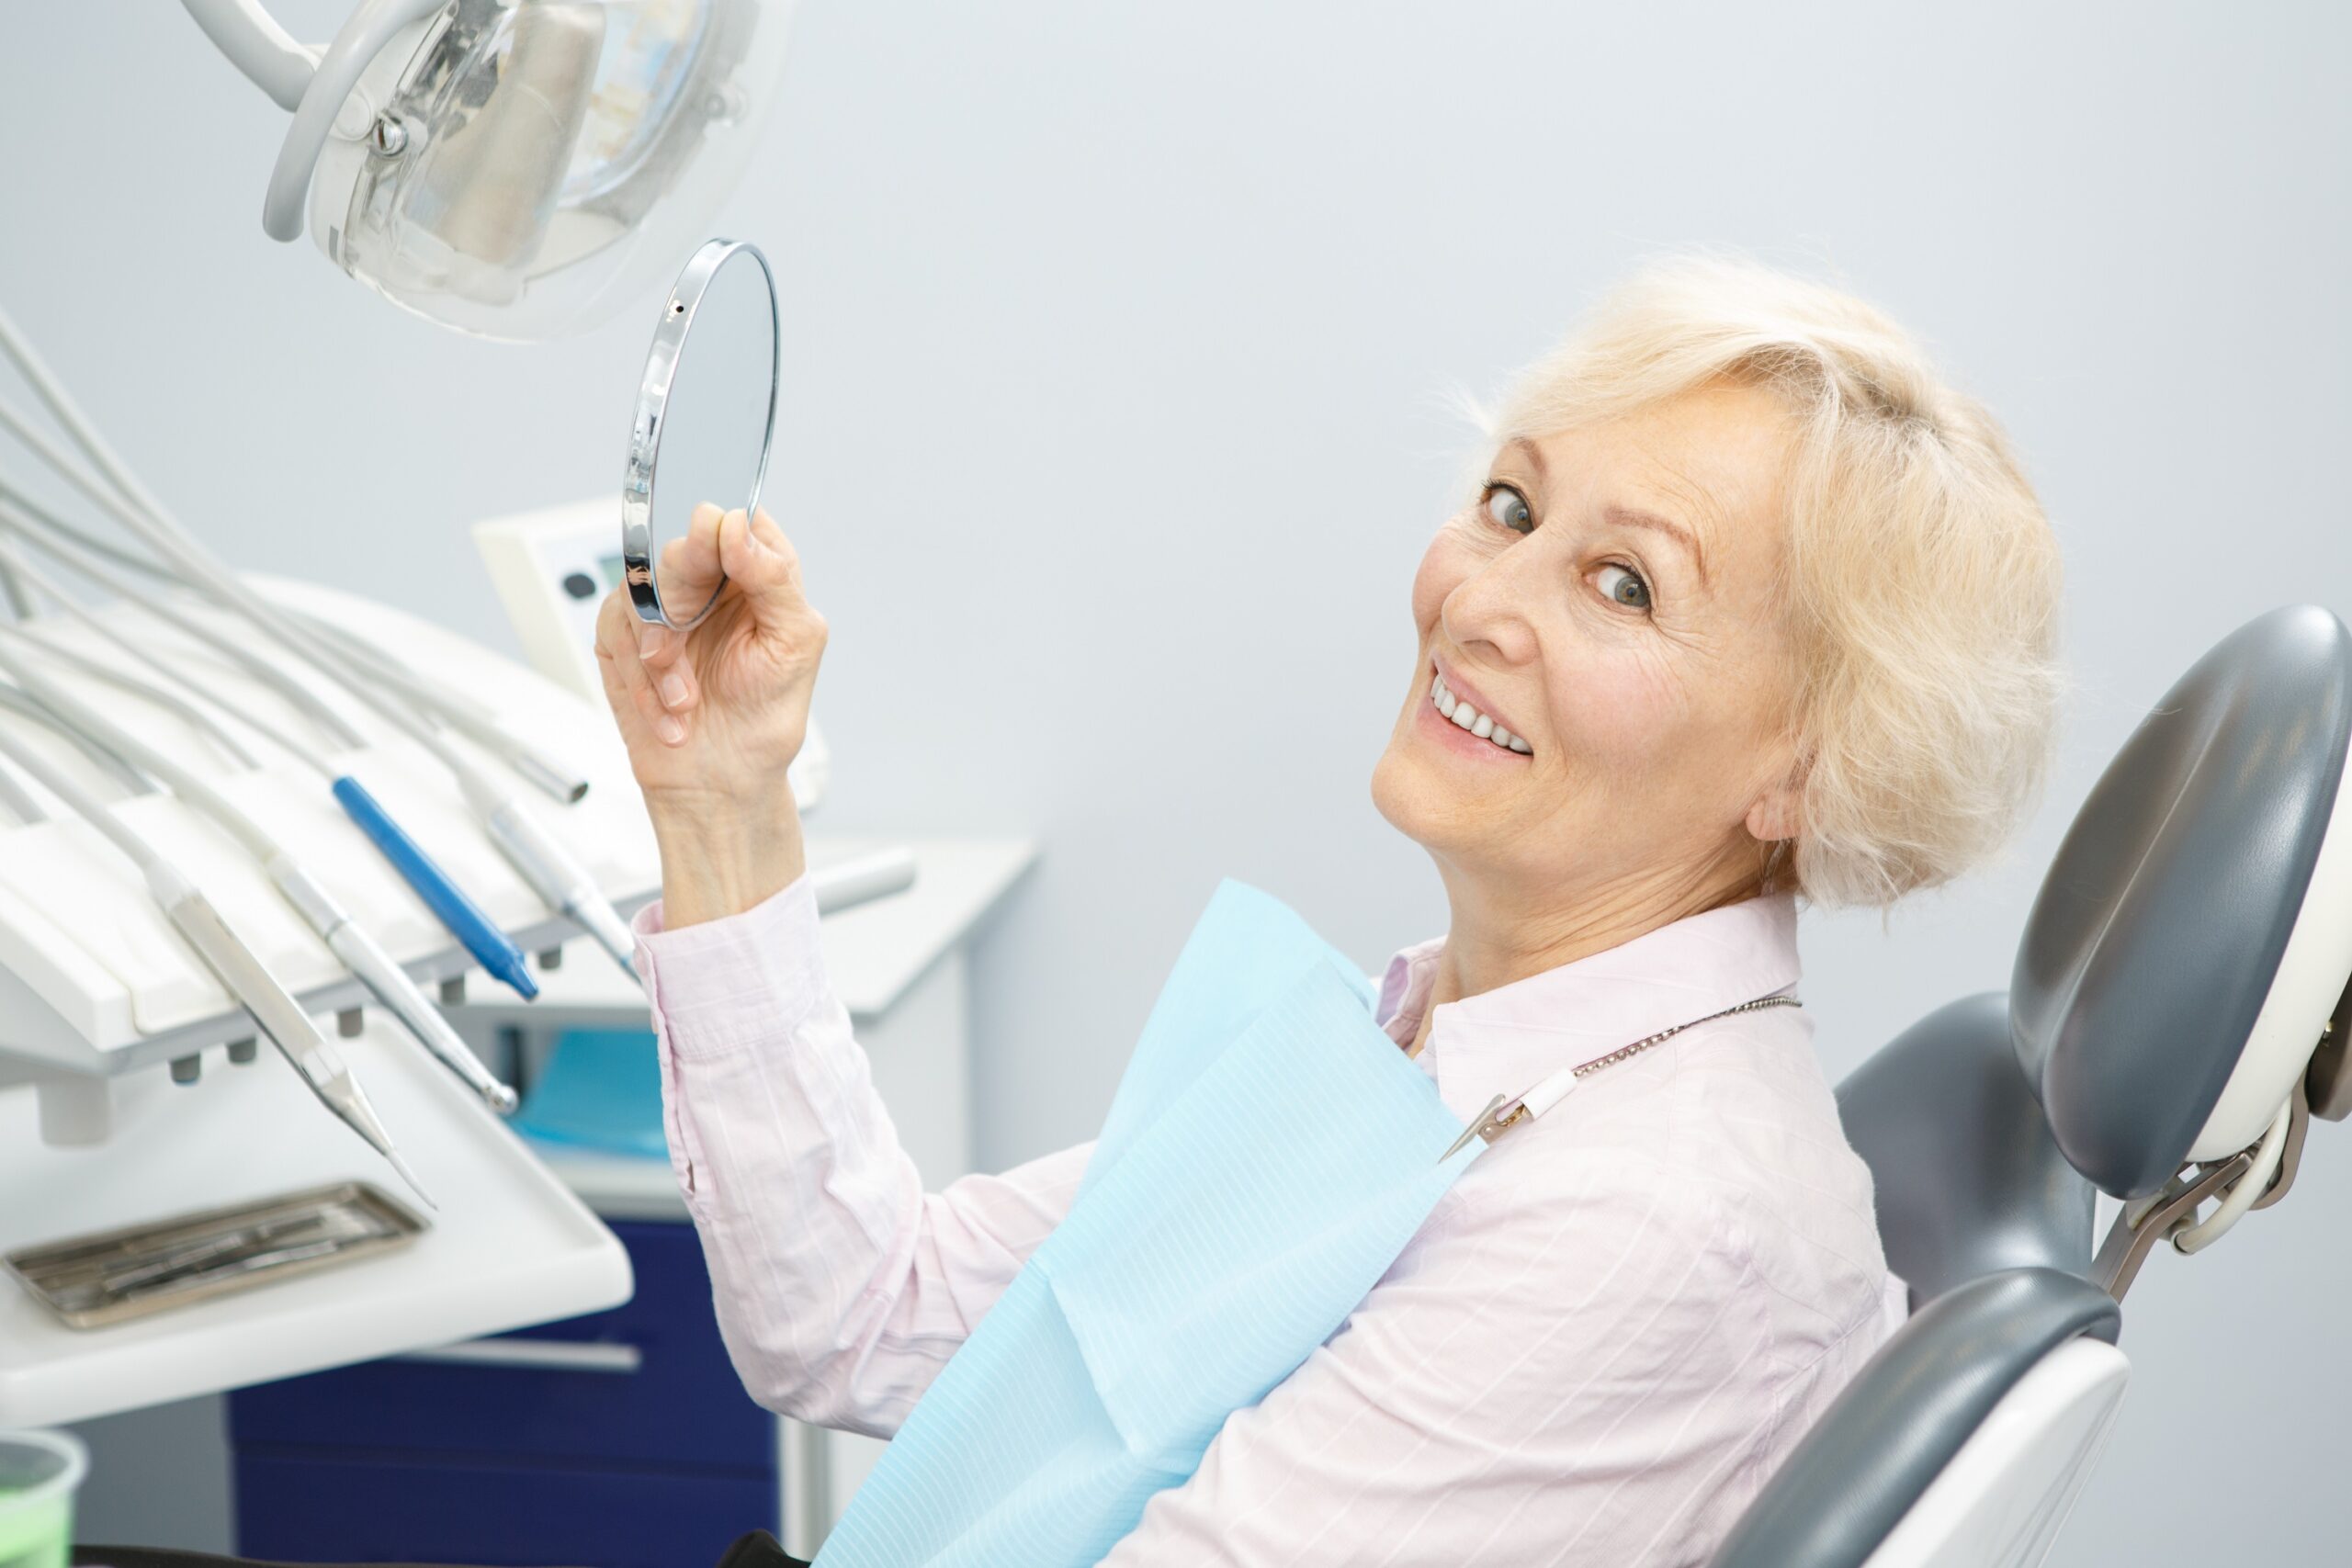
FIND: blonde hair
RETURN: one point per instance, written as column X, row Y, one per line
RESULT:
column 1921, row 583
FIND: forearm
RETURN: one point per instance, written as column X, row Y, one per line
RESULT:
column 721, row 855
column 841, row 1286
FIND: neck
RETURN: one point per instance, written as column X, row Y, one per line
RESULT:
column 1502, row 933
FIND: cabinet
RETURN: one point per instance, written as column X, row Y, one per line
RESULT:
column 622, row 1439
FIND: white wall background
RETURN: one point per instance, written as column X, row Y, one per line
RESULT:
column 1118, row 342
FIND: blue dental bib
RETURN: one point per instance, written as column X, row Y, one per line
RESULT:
column 1269, row 1153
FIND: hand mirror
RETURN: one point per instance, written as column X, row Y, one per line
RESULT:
column 706, row 414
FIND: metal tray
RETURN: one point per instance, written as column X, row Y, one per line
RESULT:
column 112, row 1277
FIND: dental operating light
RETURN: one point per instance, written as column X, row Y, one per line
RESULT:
column 516, row 169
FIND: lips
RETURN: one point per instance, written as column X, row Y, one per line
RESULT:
column 1466, row 710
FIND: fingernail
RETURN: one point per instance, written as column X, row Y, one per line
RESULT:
column 648, row 640
column 669, row 730
column 674, row 690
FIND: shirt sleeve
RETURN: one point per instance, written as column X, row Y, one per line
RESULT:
column 1580, row 1379
column 841, row 1286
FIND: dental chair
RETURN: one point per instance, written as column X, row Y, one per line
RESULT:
column 2179, row 1011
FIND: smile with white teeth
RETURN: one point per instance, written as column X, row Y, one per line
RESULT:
column 1441, row 697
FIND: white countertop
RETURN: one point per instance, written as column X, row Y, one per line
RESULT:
column 874, row 950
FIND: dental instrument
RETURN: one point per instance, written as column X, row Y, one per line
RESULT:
column 543, row 863
column 453, row 708
column 90, row 1281
column 449, row 903
column 347, row 939
column 246, row 979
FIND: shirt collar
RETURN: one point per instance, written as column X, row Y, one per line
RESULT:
column 1502, row 1041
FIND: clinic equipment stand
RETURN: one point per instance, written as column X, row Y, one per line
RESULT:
column 536, row 1416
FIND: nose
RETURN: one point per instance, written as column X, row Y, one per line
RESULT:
column 1488, row 614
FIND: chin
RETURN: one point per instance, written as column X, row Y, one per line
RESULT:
column 1413, row 801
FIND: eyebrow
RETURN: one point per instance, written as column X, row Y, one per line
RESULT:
column 1624, row 516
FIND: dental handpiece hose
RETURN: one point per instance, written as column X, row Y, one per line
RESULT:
column 465, row 919
column 103, row 564
column 247, row 980
column 344, row 937
column 551, row 871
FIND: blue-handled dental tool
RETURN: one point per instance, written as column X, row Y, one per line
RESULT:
column 460, row 914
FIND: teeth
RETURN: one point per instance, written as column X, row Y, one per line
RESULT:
column 1468, row 718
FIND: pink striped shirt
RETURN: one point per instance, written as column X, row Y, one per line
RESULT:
column 1606, row 1336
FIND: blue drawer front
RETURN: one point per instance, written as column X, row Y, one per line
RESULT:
column 683, row 1407
column 378, row 1508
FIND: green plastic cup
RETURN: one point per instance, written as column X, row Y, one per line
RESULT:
column 38, row 1473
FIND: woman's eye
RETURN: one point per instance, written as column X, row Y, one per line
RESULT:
column 1508, row 507
column 1627, row 589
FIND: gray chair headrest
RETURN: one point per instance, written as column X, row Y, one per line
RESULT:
column 2195, row 929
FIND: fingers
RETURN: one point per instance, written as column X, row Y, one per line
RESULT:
column 689, row 575
column 629, row 686
column 756, row 555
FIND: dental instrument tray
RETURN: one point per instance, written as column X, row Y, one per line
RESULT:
column 93, row 1281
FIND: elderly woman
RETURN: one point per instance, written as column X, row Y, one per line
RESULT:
column 1745, row 606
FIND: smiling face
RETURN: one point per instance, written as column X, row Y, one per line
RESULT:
column 1601, row 620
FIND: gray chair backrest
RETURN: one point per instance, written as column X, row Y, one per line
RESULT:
column 1969, row 1180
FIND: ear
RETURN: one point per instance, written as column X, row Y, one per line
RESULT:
column 1779, row 811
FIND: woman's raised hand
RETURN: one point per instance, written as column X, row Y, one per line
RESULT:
column 713, row 716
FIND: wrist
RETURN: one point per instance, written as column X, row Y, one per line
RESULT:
column 720, row 858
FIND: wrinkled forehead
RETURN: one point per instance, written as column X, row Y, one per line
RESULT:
column 1714, row 460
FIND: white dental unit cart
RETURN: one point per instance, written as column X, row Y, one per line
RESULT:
column 132, row 1092
column 128, row 1093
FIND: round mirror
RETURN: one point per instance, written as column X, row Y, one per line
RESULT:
column 705, row 416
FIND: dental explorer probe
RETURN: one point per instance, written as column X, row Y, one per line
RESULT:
column 246, row 979
column 465, row 919
column 344, row 937
column 559, row 880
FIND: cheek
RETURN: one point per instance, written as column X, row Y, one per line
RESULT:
column 1444, row 564
column 1620, row 714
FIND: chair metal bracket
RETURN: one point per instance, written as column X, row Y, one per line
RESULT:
column 2128, row 1245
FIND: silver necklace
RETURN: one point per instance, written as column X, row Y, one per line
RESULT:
column 1505, row 1111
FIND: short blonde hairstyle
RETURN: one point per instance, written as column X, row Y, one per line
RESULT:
column 1921, row 582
